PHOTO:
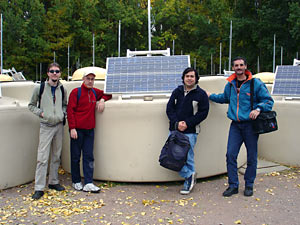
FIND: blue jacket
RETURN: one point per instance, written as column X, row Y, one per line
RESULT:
column 192, row 108
column 239, row 107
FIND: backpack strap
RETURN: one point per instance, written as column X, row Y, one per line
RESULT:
column 62, row 93
column 42, row 87
column 251, row 92
column 79, row 93
column 93, row 90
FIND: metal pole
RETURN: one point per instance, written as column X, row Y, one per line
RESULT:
column 54, row 56
column 119, row 39
column 1, row 48
column 281, row 56
column 220, row 67
column 195, row 63
column 40, row 72
column 173, row 47
column 274, row 53
column 93, row 49
column 211, row 64
column 149, row 25
column 230, row 41
column 68, row 63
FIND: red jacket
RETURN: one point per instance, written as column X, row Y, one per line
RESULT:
column 81, row 114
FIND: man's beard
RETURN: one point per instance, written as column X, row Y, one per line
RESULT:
column 54, row 81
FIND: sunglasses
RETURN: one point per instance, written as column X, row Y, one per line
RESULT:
column 52, row 71
column 236, row 65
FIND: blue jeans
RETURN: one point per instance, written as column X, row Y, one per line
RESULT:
column 239, row 133
column 84, row 143
column 189, row 168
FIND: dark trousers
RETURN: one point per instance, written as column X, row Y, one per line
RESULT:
column 240, row 133
column 85, row 144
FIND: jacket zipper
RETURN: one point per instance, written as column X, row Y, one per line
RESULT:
column 89, row 96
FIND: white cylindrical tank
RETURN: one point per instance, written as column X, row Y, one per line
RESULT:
column 19, row 132
column 130, row 134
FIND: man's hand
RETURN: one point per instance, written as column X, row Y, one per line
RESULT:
column 182, row 126
column 42, row 115
column 73, row 134
column 100, row 105
column 254, row 114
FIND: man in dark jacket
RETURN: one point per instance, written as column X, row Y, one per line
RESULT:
column 187, row 107
column 81, row 120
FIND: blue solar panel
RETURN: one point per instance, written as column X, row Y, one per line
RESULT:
column 287, row 81
column 145, row 74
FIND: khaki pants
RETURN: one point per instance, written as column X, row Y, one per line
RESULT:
column 50, row 143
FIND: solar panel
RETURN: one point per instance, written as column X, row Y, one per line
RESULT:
column 144, row 74
column 287, row 81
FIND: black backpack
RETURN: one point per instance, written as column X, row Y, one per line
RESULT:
column 173, row 155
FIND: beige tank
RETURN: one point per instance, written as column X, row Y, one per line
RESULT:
column 19, row 133
column 130, row 133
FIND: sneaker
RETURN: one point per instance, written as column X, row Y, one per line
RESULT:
column 230, row 191
column 56, row 187
column 248, row 191
column 189, row 184
column 37, row 195
column 77, row 186
column 90, row 187
column 185, row 191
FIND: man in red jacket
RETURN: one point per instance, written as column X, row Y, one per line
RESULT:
column 81, row 120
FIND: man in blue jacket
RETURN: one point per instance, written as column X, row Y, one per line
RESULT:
column 187, row 107
column 237, row 95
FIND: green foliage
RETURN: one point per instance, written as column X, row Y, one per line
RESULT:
column 33, row 30
column 294, row 20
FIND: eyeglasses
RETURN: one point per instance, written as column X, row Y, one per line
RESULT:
column 52, row 71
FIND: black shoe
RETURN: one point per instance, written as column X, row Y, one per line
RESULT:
column 37, row 195
column 57, row 187
column 230, row 191
column 248, row 191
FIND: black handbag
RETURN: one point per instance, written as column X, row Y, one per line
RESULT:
column 266, row 121
column 173, row 155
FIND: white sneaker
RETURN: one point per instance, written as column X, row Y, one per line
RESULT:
column 90, row 187
column 77, row 186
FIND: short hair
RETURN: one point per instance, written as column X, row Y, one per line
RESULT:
column 187, row 70
column 53, row 65
column 239, row 58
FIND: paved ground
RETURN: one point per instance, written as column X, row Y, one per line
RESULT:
column 276, row 200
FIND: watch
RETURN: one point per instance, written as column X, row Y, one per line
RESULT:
column 258, row 109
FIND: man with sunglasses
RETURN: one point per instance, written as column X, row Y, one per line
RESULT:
column 237, row 95
column 81, row 120
column 50, row 106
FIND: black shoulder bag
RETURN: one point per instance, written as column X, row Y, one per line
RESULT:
column 173, row 155
column 266, row 121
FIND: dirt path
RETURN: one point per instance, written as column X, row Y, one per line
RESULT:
column 276, row 200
